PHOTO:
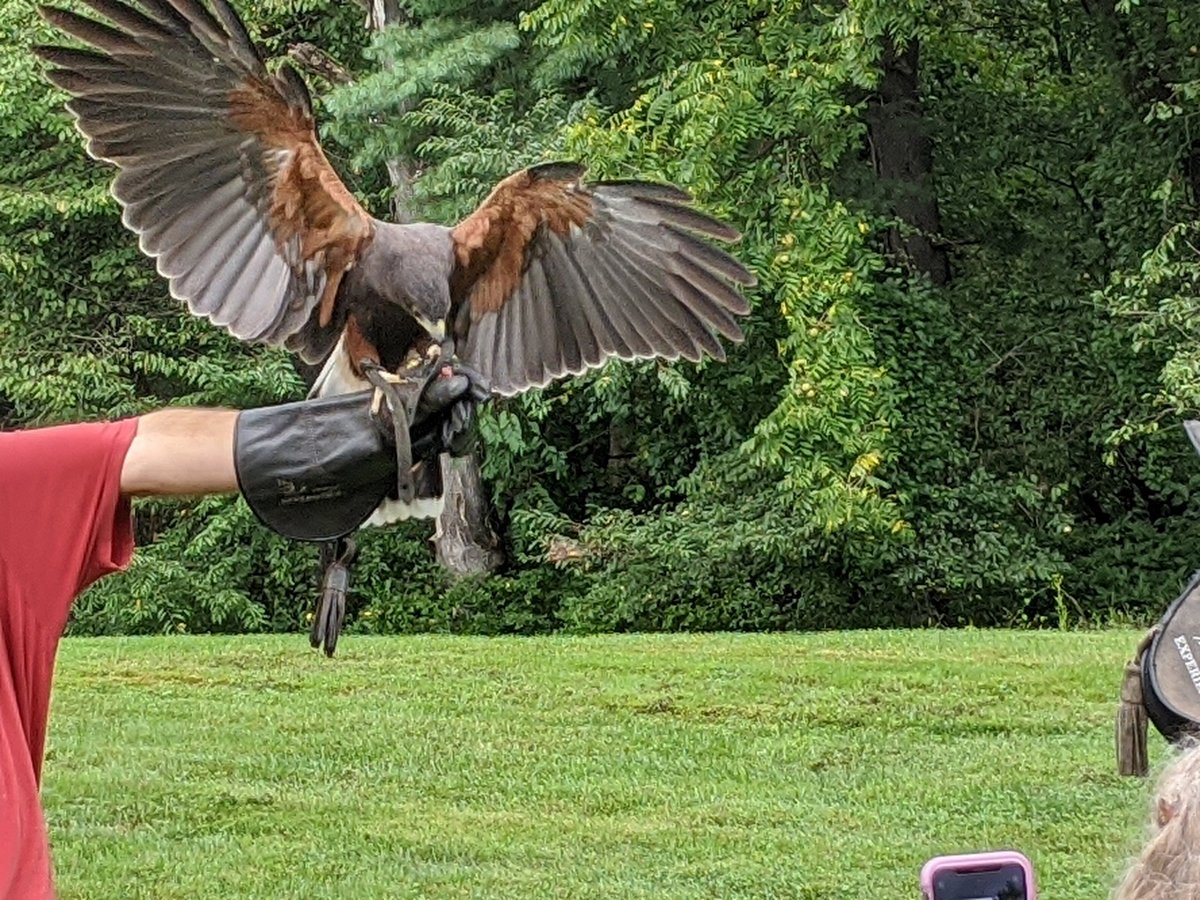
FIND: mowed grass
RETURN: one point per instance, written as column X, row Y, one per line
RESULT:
column 789, row 766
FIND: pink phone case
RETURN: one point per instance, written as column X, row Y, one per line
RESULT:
column 969, row 861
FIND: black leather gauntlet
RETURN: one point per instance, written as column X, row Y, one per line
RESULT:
column 317, row 469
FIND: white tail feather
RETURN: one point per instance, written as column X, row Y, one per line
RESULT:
column 390, row 511
column 336, row 375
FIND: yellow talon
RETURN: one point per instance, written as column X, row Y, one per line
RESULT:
column 377, row 398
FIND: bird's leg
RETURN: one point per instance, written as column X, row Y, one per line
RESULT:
column 337, row 559
column 401, row 410
column 378, row 398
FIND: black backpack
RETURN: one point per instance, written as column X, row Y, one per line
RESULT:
column 1162, row 681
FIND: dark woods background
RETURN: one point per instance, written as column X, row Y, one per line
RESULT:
column 975, row 227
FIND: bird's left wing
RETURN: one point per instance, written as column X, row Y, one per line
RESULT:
column 552, row 277
column 221, row 174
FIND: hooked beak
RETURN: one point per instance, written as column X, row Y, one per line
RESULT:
column 436, row 330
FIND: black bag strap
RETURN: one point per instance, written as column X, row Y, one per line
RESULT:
column 1133, row 757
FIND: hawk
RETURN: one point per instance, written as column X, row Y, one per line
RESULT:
column 221, row 176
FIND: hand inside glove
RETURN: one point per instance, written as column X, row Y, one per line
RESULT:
column 424, row 414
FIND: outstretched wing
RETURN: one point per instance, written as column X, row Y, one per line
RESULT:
column 553, row 277
column 221, row 174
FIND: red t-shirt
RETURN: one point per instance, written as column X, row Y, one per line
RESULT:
column 63, row 524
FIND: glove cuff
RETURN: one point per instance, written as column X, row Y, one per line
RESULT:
column 314, row 470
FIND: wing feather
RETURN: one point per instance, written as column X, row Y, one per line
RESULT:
column 209, row 224
column 544, row 328
column 605, row 316
column 255, row 321
column 231, row 253
column 701, row 306
column 645, row 190
column 660, row 212
column 97, row 34
column 138, row 44
column 641, row 309
column 688, row 334
column 185, row 243
column 564, row 354
column 576, row 303
column 719, row 297
column 152, row 200
column 712, row 259
column 695, row 338
column 257, row 270
column 515, row 329
column 717, row 317
column 129, row 20
column 486, row 337
column 629, row 320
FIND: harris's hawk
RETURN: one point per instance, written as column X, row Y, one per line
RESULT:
column 222, row 178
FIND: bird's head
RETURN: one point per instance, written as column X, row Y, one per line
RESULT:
column 411, row 268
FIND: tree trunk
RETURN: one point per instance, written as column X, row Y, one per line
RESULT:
column 380, row 14
column 902, row 153
column 1058, row 35
column 464, row 540
column 620, row 452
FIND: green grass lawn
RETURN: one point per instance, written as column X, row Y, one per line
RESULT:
column 801, row 766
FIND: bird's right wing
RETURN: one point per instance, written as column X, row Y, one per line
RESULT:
column 221, row 174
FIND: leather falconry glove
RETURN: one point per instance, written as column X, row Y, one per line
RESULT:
column 314, row 470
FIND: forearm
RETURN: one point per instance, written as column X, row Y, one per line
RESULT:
column 182, row 452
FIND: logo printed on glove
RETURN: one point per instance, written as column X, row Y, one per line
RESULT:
column 292, row 494
column 1189, row 660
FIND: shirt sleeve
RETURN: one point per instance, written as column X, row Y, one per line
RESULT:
column 63, row 521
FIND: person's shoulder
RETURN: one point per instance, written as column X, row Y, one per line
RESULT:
column 70, row 442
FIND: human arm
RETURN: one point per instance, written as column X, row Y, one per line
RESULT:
column 186, row 452
column 181, row 452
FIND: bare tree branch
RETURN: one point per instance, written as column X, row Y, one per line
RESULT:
column 316, row 61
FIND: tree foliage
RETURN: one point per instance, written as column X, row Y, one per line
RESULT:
column 974, row 227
